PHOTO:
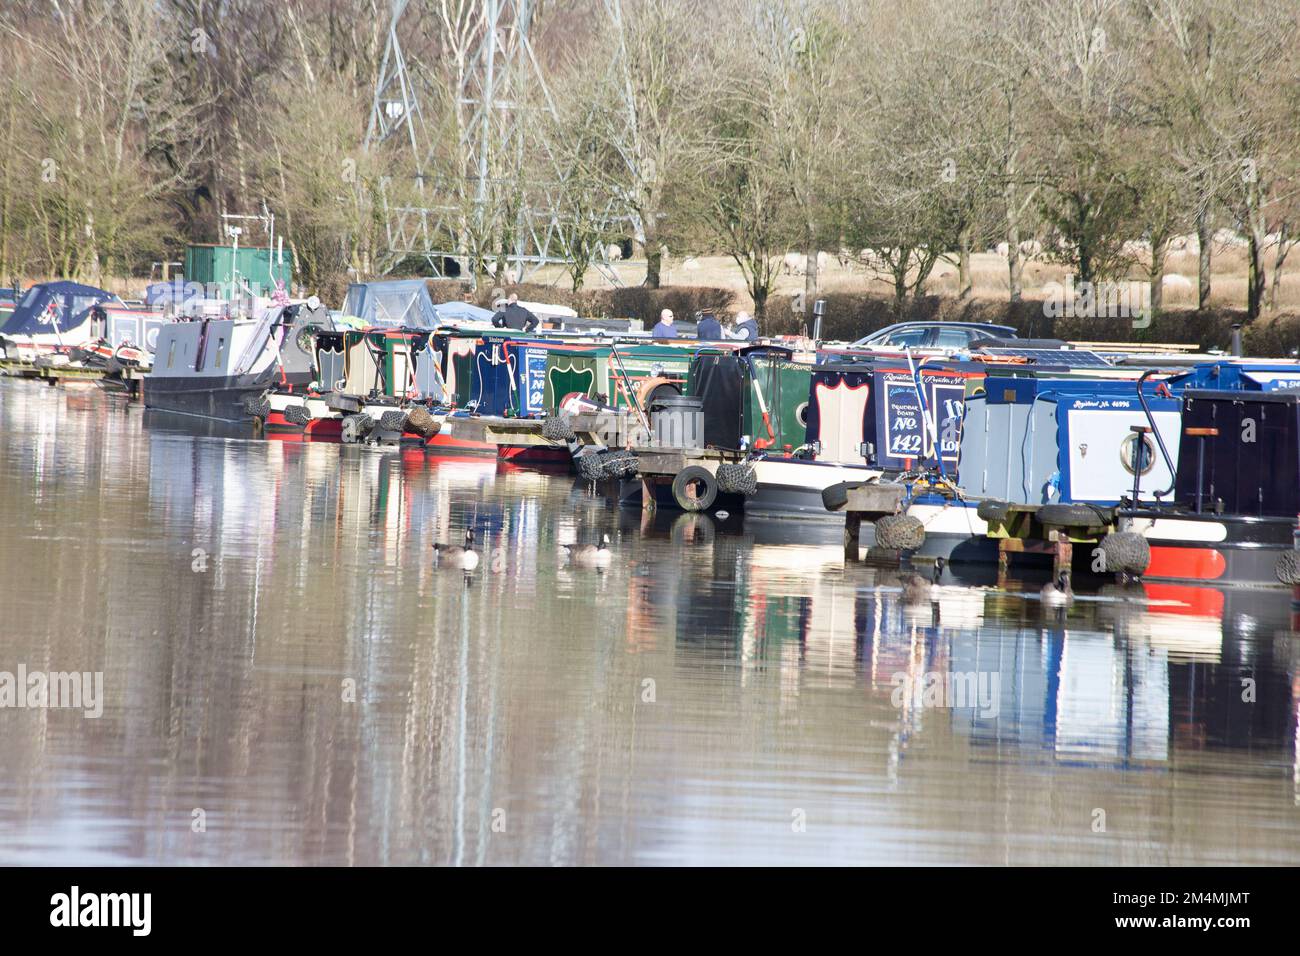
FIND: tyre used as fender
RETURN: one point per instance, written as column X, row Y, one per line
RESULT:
column 693, row 475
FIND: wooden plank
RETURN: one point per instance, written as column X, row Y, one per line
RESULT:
column 876, row 498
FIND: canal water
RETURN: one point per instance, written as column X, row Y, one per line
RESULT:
column 288, row 679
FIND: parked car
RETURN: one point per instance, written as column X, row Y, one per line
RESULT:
column 935, row 335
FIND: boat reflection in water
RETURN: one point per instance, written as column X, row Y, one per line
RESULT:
column 280, row 652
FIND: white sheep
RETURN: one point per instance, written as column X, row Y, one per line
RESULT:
column 613, row 252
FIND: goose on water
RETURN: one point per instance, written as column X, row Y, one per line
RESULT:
column 457, row 556
column 1057, row 592
column 918, row 589
column 589, row 555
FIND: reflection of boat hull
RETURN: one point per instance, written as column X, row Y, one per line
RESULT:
column 536, row 456
column 448, row 443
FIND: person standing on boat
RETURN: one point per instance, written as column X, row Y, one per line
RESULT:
column 664, row 330
column 515, row 316
column 708, row 329
column 744, row 328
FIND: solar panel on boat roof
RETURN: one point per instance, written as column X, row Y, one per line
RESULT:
column 1070, row 358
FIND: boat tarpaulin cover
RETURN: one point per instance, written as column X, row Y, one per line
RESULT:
column 52, row 307
column 399, row 303
column 452, row 312
column 717, row 379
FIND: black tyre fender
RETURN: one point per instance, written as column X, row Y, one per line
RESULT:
column 393, row 421
column 621, row 464
column 1288, row 567
column 356, row 427
column 690, row 476
column 899, row 533
column 1073, row 516
column 557, row 428
column 737, row 478
column 836, row 496
column 296, row 414
column 1125, row 552
column 591, row 467
column 990, row 509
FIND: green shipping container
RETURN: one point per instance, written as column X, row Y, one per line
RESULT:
column 217, row 265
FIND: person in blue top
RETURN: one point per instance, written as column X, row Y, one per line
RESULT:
column 664, row 330
column 708, row 329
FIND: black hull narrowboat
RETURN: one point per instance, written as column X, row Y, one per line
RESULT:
column 209, row 367
column 222, row 398
column 1236, row 492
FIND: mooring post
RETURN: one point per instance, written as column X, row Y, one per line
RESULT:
column 1063, row 557
column 852, row 534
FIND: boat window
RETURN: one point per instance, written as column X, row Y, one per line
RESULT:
column 221, row 351
column 171, row 353
column 80, row 303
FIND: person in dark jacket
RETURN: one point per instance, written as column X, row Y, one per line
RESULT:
column 744, row 328
column 515, row 316
column 708, row 329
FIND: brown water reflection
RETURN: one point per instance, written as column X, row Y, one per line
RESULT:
column 510, row 719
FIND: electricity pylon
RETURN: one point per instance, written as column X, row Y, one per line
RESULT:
column 476, row 199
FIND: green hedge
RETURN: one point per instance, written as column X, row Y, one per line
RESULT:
column 850, row 316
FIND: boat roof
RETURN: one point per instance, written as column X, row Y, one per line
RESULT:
column 32, row 315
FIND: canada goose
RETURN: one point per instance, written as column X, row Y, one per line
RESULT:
column 589, row 555
column 918, row 589
column 1057, row 592
column 455, row 556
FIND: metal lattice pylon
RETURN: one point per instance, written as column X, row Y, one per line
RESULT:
column 476, row 200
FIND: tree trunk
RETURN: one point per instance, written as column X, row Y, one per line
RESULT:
column 1014, row 266
column 759, row 293
column 1279, row 259
column 653, row 265
column 1204, row 236
column 810, row 274
column 1155, row 276
column 654, row 253
column 1255, row 255
column 900, row 283
column 964, row 281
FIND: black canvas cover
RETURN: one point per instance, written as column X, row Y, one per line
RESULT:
column 1253, row 464
column 718, row 379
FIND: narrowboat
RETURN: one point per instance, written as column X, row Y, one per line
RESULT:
column 212, row 367
column 1235, row 494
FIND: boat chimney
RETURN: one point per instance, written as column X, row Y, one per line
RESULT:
column 1236, row 340
column 819, row 311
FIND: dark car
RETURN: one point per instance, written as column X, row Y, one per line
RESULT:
column 935, row 335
